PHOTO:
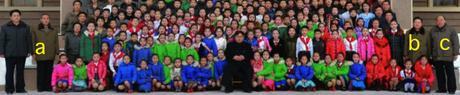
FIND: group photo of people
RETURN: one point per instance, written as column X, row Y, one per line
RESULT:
column 148, row 46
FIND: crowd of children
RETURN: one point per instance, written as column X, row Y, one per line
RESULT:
column 180, row 45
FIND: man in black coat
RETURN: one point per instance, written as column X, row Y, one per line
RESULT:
column 15, row 46
column 239, row 55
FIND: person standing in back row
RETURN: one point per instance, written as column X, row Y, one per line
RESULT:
column 15, row 47
column 444, row 49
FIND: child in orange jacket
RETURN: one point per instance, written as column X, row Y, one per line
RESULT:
column 424, row 75
column 374, row 69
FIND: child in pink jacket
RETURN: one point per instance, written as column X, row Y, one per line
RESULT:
column 366, row 46
column 62, row 77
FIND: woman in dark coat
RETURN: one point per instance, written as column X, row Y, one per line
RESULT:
column 239, row 55
column 277, row 44
column 291, row 41
column 395, row 37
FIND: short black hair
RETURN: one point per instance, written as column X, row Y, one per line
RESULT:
column 15, row 11
column 76, row 1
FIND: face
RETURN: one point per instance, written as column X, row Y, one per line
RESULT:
column 440, row 21
column 289, row 62
column 126, row 59
column 15, row 17
column 316, row 56
column 266, row 55
column 79, row 61
column 63, row 59
column 408, row 64
column 393, row 63
column 45, row 19
column 424, row 60
column 239, row 38
column 356, row 58
column 177, row 63
column 96, row 57
column 375, row 59
column 143, row 64
column 167, row 61
column 203, row 61
column 155, row 59
column 190, row 60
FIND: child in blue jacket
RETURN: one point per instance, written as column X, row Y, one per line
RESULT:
column 209, row 45
column 126, row 75
column 156, row 68
column 110, row 39
column 304, row 74
column 188, row 74
column 141, row 51
column 357, row 74
column 203, row 74
column 219, row 67
column 144, row 77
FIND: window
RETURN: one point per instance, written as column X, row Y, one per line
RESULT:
column 23, row 3
column 445, row 2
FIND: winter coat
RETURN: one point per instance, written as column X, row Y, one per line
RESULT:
column 424, row 73
column 357, row 70
column 157, row 70
column 111, row 41
column 144, row 76
column 366, row 47
column 291, row 71
column 382, row 49
column 319, row 46
column 141, row 53
column 72, row 46
column 219, row 68
column 304, row 72
column 79, row 72
column 210, row 43
column 88, row 45
column 267, row 70
column 126, row 72
column 49, row 38
column 188, row 73
column 62, row 72
column 167, row 71
column 173, row 49
column 343, row 68
column 115, row 59
column 290, row 47
column 374, row 71
column 280, row 70
column 330, row 72
column 278, row 48
column 203, row 74
column 98, row 68
column 160, row 50
column 189, row 51
column 396, row 46
column 444, row 42
column 263, row 43
column 319, row 68
column 391, row 72
column 334, row 47
column 420, row 44
column 15, row 40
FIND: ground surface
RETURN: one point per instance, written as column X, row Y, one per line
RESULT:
column 238, row 93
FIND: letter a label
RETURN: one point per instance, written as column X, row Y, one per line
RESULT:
column 40, row 48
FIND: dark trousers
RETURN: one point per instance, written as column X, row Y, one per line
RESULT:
column 44, row 71
column 13, row 63
column 445, row 69
column 240, row 69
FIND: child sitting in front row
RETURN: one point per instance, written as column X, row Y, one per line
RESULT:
column 144, row 77
column 203, row 74
column 424, row 75
column 80, row 75
column 188, row 74
column 392, row 75
column 267, row 74
column 408, row 77
column 257, row 66
column 62, row 76
column 280, row 70
column 176, row 75
column 357, row 73
column 156, row 68
column 97, row 72
column 125, row 76
column 290, row 75
column 167, row 70
column 219, row 67
column 304, row 74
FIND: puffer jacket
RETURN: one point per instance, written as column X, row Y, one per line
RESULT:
column 126, row 72
column 62, row 71
column 382, row 49
column 366, row 47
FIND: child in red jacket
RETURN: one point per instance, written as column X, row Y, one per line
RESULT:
column 335, row 45
column 374, row 69
column 424, row 75
column 97, row 72
column 392, row 75
column 382, row 48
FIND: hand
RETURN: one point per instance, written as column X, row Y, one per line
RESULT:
column 242, row 57
column 303, row 80
column 425, row 80
column 70, row 87
column 357, row 78
column 114, row 73
column 235, row 58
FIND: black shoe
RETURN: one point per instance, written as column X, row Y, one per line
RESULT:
column 228, row 91
column 441, row 91
column 247, row 91
column 451, row 92
column 9, row 92
column 21, row 91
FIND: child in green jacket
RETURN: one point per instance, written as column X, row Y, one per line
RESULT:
column 266, row 74
column 280, row 69
column 167, row 70
column 160, row 48
column 172, row 47
column 79, row 79
column 319, row 68
column 342, row 71
column 330, row 72
column 188, row 50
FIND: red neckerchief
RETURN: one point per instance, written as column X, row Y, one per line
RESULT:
column 408, row 73
column 134, row 30
column 350, row 39
column 305, row 40
column 91, row 35
column 117, row 56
